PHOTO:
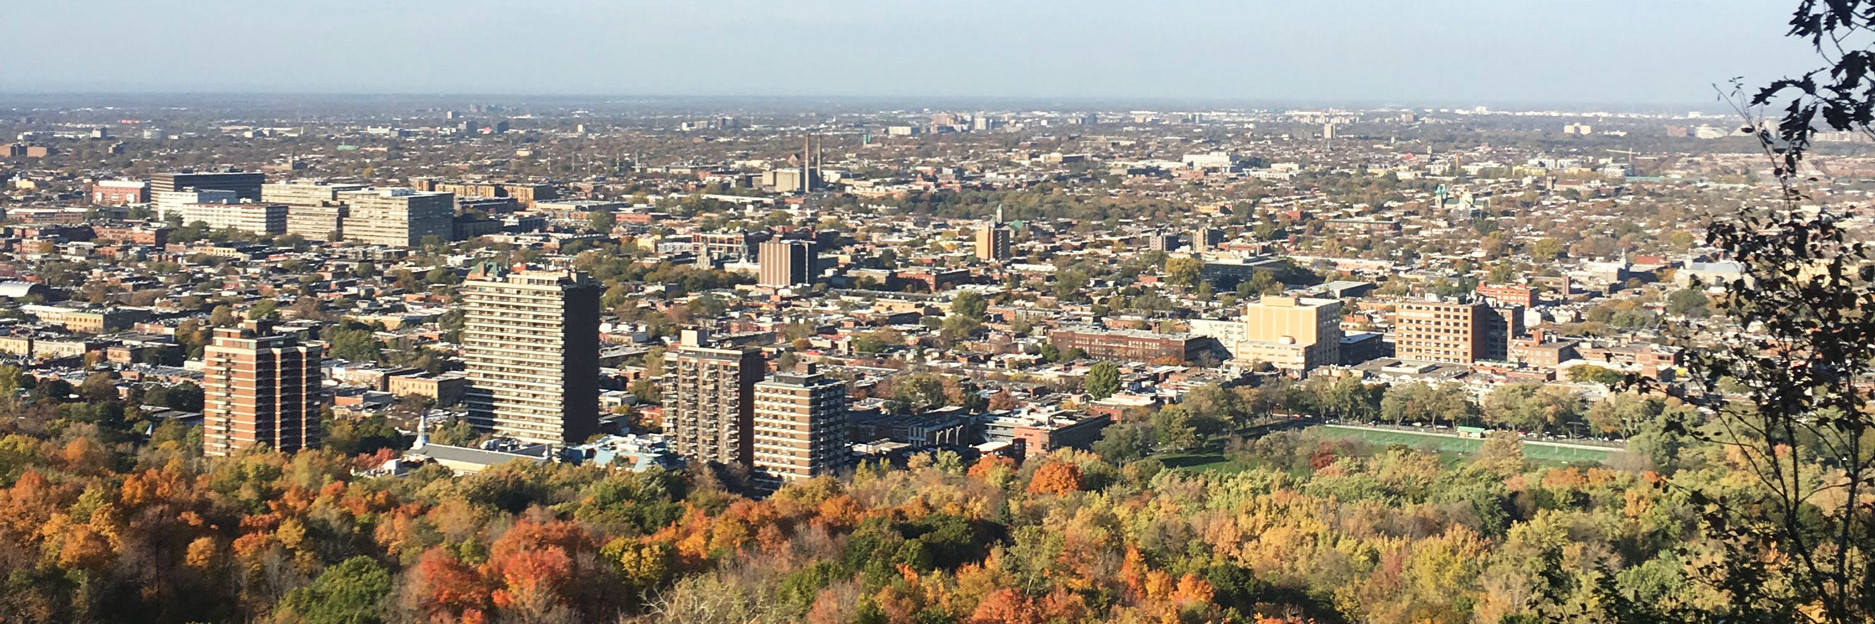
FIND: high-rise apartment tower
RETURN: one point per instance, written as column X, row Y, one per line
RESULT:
column 259, row 388
column 530, row 342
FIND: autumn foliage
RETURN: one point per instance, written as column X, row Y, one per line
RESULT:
column 1055, row 477
column 94, row 529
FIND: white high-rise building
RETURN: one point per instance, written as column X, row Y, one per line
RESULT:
column 398, row 217
column 172, row 202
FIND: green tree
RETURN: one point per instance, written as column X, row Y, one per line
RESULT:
column 458, row 433
column 1211, row 401
column 1263, row 283
column 439, row 276
column 185, row 396
column 1532, row 407
column 1546, row 249
column 1346, row 396
column 1103, row 379
column 969, row 304
column 957, row 328
column 1623, row 413
column 1690, row 303
column 601, row 221
column 1183, row 271
column 1070, row 285
column 221, row 316
column 1447, row 402
column 1124, row 442
column 1174, row 430
column 1590, row 373
column 356, row 436
column 876, row 341
column 919, row 392
column 355, row 345
column 265, row 308
column 352, row 592
column 13, row 379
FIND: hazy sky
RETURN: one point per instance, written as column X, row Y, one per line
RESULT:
column 1378, row 51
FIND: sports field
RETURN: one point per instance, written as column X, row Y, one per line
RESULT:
column 1537, row 450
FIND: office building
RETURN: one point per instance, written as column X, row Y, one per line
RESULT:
column 262, row 219
column 304, row 193
column 1213, row 161
column 323, row 222
column 530, row 345
column 245, row 185
column 1502, row 323
column 993, row 244
column 259, row 388
column 1291, row 333
column 171, row 203
column 733, row 246
column 1224, row 274
column 1161, row 241
column 398, row 217
column 786, row 263
column 1206, row 238
column 523, row 194
column 800, row 426
column 1441, row 331
column 709, row 400
column 118, row 192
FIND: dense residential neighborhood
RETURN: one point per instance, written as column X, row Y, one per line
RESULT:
column 658, row 342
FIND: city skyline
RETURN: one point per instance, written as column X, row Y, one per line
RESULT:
column 1591, row 51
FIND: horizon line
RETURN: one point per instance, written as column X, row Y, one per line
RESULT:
column 1240, row 102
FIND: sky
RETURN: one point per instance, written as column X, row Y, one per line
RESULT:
column 1425, row 52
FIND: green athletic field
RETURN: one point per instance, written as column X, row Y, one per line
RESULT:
column 1533, row 450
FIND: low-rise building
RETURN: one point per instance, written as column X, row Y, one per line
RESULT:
column 263, row 219
column 88, row 320
column 443, row 389
column 1128, row 345
column 1045, row 430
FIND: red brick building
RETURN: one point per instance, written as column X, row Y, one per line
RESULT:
column 118, row 192
column 259, row 388
column 1509, row 294
column 1127, row 345
column 155, row 237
